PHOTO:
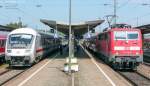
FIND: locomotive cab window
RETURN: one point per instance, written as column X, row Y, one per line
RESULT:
column 132, row 35
column 20, row 40
column 125, row 35
column 120, row 35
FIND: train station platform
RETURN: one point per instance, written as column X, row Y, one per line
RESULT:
column 50, row 73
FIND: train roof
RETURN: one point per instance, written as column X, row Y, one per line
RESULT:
column 24, row 30
column 30, row 31
column 124, row 29
column 120, row 29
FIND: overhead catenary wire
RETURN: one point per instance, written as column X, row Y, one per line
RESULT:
column 5, row 15
column 136, row 17
column 124, row 4
column 33, row 18
column 139, row 17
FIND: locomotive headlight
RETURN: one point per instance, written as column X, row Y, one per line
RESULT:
column 137, row 53
column 8, row 51
column 117, row 53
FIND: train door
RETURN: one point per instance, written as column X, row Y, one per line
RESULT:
column 2, row 50
column 38, row 49
column 0, row 47
column 107, row 43
column 98, row 43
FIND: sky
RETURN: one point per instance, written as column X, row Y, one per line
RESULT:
column 31, row 11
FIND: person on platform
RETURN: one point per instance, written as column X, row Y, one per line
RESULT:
column 61, row 49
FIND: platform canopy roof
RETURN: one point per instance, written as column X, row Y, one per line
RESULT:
column 144, row 28
column 79, row 28
column 5, row 28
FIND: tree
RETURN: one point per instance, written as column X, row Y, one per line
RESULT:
column 16, row 25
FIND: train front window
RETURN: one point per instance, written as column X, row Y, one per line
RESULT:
column 132, row 35
column 125, row 35
column 20, row 40
column 120, row 35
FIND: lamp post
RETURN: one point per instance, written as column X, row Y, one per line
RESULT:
column 71, row 65
column 70, row 38
column 115, row 12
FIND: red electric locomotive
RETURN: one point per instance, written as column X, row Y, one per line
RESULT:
column 121, row 47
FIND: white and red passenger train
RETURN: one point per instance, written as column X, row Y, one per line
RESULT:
column 121, row 47
column 25, row 46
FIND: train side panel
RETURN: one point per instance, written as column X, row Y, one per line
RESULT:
column 103, row 44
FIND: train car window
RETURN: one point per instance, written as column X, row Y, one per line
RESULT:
column 43, row 41
column 103, row 37
column 147, row 36
column 40, row 42
column 4, row 43
column 0, row 43
column 106, row 36
column 99, row 37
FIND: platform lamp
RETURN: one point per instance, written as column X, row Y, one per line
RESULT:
column 71, row 64
column 70, row 36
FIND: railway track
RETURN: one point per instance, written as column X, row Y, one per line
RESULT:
column 147, row 64
column 146, row 58
column 9, row 75
column 5, row 71
column 135, row 78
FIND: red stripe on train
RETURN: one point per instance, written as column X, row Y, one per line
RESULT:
column 2, row 50
column 39, row 50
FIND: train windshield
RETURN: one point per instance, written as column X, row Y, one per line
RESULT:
column 132, row 35
column 125, row 35
column 120, row 35
column 20, row 40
